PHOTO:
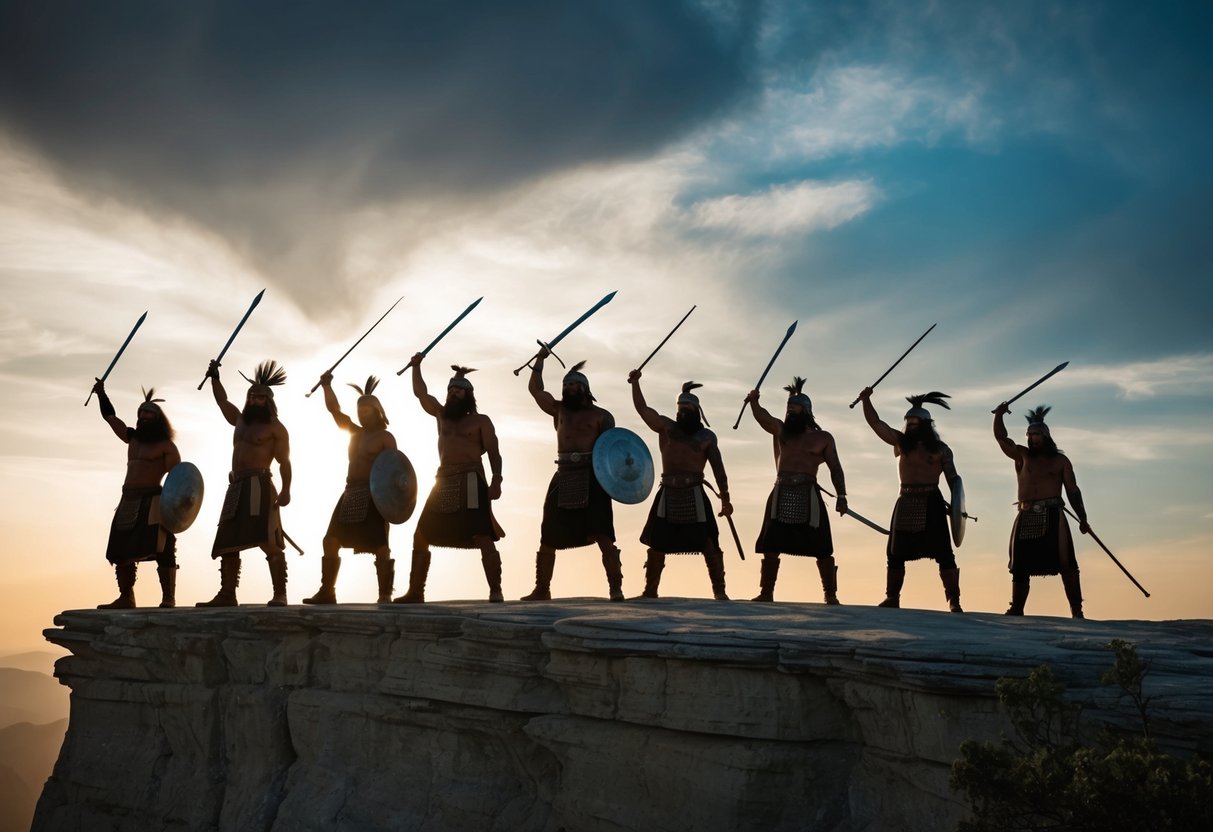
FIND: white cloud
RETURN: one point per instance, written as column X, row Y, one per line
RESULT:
column 787, row 209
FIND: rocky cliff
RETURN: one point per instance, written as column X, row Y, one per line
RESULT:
column 577, row 714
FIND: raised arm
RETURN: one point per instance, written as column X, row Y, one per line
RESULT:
column 1005, row 444
column 1074, row 495
column 768, row 422
column 488, row 439
column 282, row 453
column 229, row 410
column 722, row 479
column 334, row 407
column 546, row 401
column 878, row 427
column 109, row 414
column 648, row 415
column 428, row 403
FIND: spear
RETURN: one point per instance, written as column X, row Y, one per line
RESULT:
column 770, row 364
column 895, row 363
column 356, row 343
column 1095, row 537
column 1036, row 383
column 442, row 334
column 235, row 332
column 663, row 340
column 117, row 355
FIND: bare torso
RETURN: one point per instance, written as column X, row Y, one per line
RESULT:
column 681, row 453
column 803, row 454
column 578, row 430
column 255, row 446
column 461, row 441
column 148, row 462
column 365, row 446
column 1040, row 477
column 922, row 467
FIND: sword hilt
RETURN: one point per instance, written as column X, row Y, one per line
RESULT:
column 208, row 375
column 536, row 355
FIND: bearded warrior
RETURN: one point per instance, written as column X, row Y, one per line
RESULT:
column 1040, row 537
column 458, row 513
column 920, row 527
column 356, row 522
column 681, row 520
column 250, row 516
column 135, row 533
column 577, row 511
column 796, row 522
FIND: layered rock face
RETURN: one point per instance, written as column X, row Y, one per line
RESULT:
column 572, row 715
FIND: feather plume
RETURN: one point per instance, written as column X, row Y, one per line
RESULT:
column 371, row 384
column 934, row 397
column 576, row 368
column 796, row 387
column 148, row 394
column 1037, row 414
column 460, row 372
column 691, row 385
column 268, row 373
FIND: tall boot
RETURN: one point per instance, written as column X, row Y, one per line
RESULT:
column 614, row 572
column 1019, row 597
column 418, row 572
column 545, row 565
column 829, row 579
column 715, row 562
column 229, row 579
column 167, row 573
column 491, row 560
column 653, row 564
column 768, row 572
column 385, row 571
column 1069, row 579
column 330, row 565
column 124, row 572
column 894, row 578
column 951, row 588
column 277, row 563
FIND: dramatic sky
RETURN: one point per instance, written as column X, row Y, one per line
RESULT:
column 1033, row 177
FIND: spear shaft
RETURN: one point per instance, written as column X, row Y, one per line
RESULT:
column 442, row 334
column 356, row 343
column 1037, row 383
column 663, row 340
column 1108, row 551
column 770, row 364
column 898, row 361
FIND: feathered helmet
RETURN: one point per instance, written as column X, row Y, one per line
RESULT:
column 574, row 375
column 149, row 403
column 267, row 376
column 365, row 397
column 796, row 394
column 460, row 377
column 687, row 397
column 917, row 411
column 1036, row 419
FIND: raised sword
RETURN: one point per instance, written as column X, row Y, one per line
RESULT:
column 117, row 355
column 235, row 332
column 552, row 343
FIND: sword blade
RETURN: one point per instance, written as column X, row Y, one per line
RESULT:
column 736, row 539
column 235, row 332
column 663, row 340
column 572, row 326
column 898, row 361
column 1039, row 381
column 770, row 364
column 857, row 515
column 356, row 343
column 442, row 334
column 118, row 354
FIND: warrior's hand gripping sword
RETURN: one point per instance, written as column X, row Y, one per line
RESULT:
column 356, row 343
column 552, row 343
column 235, row 332
column 898, row 361
column 117, row 355
column 770, row 364
column 1036, row 383
column 442, row 334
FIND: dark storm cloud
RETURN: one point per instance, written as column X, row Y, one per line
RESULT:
column 239, row 114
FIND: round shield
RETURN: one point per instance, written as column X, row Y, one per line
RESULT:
column 957, row 518
column 393, row 486
column 623, row 465
column 181, row 497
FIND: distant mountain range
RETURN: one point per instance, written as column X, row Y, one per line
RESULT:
column 33, row 720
